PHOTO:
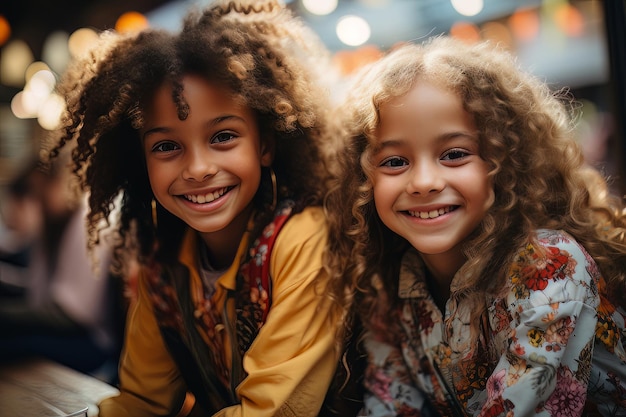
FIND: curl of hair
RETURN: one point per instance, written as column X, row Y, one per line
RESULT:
column 538, row 171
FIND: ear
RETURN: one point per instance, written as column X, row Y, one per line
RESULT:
column 267, row 151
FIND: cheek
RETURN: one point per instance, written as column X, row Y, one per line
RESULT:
column 387, row 186
column 158, row 176
column 376, row 190
column 253, row 177
column 383, row 199
column 487, row 193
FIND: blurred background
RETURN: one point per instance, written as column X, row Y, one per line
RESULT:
column 577, row 44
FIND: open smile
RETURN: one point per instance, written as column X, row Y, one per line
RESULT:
column 208, row 197
column 432, row 214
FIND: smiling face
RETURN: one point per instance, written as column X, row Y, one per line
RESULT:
column 430, row 184
column 205, row 169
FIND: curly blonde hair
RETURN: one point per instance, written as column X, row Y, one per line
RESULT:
column 525, row 134
column 259, row 50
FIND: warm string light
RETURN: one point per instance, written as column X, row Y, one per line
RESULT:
column 37, row 79
column 16, row 57
column 5, row 30
column 465, row 31
column 130, row 22
column 522, row 26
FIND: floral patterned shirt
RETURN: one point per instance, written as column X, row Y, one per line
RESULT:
column 558, row 343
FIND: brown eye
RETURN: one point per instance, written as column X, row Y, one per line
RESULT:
column 165, row 147
column 454, row 154
column 394, row 162
column 222, row 137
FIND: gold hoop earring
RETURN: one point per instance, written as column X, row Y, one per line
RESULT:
column 274, row 189
column 153, row 205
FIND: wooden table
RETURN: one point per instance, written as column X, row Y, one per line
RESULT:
column 41, row 388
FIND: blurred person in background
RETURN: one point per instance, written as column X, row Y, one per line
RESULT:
column 57, row 301
column 20, row 222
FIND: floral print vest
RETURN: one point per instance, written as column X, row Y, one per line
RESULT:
column 202, row 364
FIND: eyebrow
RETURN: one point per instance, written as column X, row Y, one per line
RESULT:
column 153, row 131
column 389, row 143
column 386, row 143
column 214, row 122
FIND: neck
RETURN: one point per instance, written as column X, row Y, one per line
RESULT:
column 441, row 269
column 222, row 245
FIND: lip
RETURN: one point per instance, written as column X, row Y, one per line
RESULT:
column 206, row 198
column 430, row 212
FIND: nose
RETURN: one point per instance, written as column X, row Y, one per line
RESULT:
column 200, row 164
column 425, row 178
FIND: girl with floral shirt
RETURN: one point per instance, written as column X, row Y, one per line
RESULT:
column 489, row 279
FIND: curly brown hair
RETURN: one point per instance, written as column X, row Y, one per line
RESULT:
column 525, row 134
column 259, row 50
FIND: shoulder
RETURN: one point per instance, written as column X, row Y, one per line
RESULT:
column 304, row 225
column 555, row 265
column 293, row 229
column 552, row 244
column 300, row 243
column 559, row 238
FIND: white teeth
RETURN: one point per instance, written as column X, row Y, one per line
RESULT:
column 430, row 214
column 206, row 198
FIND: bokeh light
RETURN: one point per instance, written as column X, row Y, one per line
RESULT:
column 466, row 31
column 16, row 57
column 50, row 111
column 34, row 68
column 353, row 30
column 498, row 33
column 569, row 19
column 36, row 91
column 350, row 61
column 130, row 22
column 81, row 41
column 320, row 7
column 524, row 24
column 18, row 108
column 468, row 7
column 5, row 30
column 56, row 51
column 40, row 83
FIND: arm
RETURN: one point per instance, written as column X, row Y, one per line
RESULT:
column 150, row 383
column 546, row 368
column 291, row 362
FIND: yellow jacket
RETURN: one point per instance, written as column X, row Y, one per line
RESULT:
column 289, row 365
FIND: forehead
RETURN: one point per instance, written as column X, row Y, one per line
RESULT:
column 193, row 91
column 199, row 105
column 424, row 105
